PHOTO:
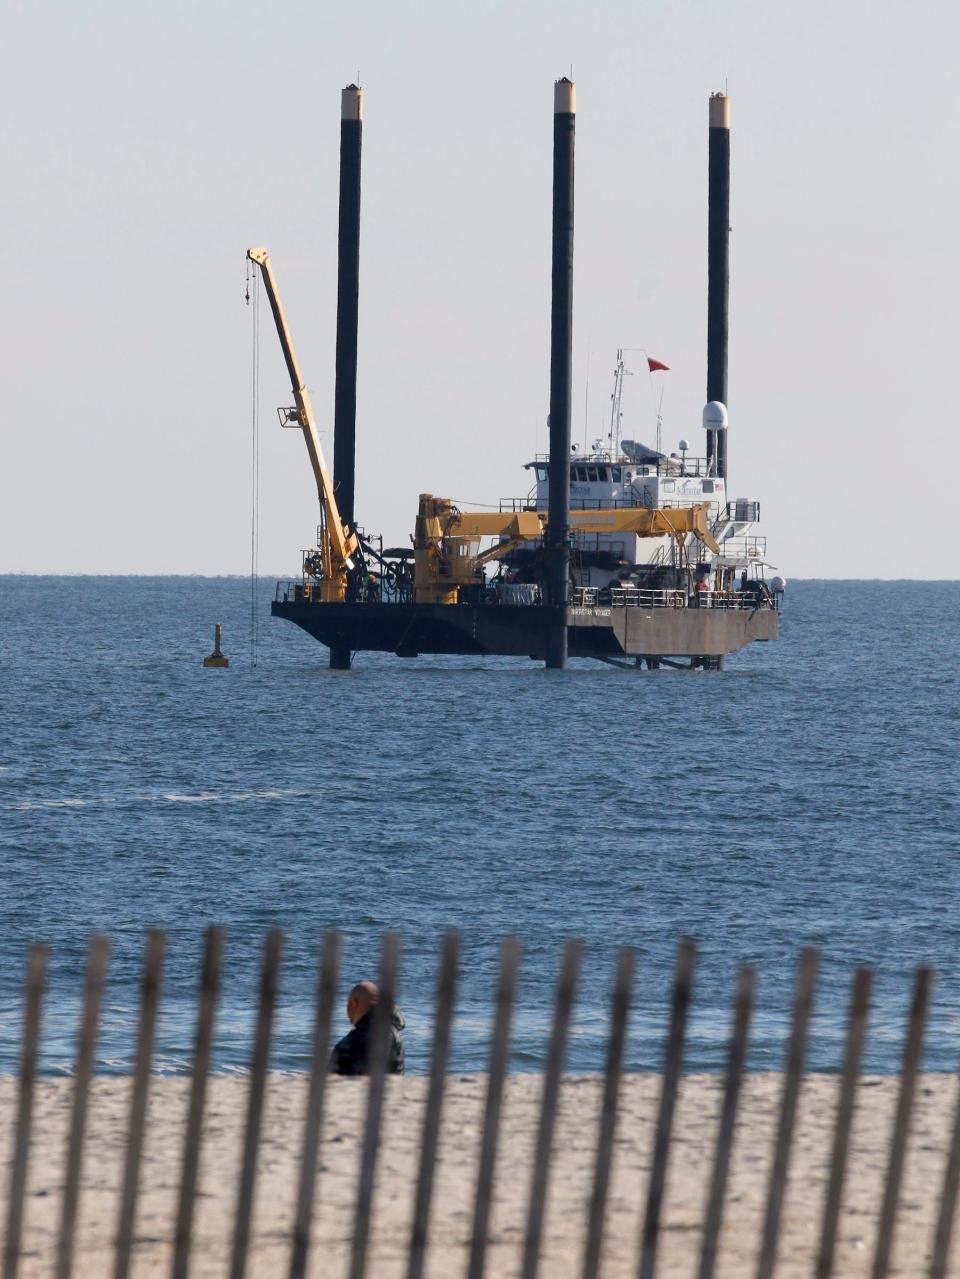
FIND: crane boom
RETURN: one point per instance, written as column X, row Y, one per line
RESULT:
column 343, row 543
column 447, row 539
column 643, row 521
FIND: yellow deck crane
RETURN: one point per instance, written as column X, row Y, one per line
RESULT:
column 446, row 542
column 339, row 549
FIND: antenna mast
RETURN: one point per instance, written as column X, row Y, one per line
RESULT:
column 615, row 400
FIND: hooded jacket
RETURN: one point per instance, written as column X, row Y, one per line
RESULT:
column 350, row 1055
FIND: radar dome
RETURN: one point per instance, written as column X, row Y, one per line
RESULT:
column 714, row 416
column 684, row 445
column 778, row 583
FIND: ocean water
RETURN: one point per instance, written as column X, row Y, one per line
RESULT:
column 808, row 794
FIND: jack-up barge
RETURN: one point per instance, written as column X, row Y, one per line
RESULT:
column 622, row 553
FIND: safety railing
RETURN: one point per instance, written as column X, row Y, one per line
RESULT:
column 627, row 597
column 638, row 597
column 668, row 464
column 734, row 600
column 630, row 502
column 381, row 591
column 531, row 596
column 690, row 1235
column 514, row 504
column 743, row 549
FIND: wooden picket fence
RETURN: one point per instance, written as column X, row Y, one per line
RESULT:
column 505, row 995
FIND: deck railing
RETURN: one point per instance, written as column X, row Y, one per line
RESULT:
column 632, row 501
column 639, row 597
column 581, row 597
column 299, row 1230
column 744, row 548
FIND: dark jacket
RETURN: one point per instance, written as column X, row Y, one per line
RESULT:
column 349, row 1056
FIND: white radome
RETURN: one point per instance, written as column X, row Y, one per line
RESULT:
column 778, row 583
column 714, row 416
column 684, row 445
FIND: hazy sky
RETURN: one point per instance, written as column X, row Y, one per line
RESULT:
column 146, row 147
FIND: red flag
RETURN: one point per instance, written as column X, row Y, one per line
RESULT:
column 656, row 366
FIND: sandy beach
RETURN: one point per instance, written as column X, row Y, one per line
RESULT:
column 691, row 1162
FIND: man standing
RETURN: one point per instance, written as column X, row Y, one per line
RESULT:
column 351, row 1055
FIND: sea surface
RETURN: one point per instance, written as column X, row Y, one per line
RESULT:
column 809, row 794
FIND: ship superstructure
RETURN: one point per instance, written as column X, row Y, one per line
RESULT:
column 624, row 474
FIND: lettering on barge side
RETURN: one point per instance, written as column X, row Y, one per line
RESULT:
column 589, row 612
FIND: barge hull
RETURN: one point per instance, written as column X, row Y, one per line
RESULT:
column 484, row 630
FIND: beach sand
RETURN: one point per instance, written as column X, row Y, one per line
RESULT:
column 691, row 1162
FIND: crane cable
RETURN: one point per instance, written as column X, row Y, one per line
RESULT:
column 254, row 461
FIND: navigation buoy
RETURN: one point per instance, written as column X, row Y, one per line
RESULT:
column 216, row 658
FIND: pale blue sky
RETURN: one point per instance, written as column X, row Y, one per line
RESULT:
column 144, row 148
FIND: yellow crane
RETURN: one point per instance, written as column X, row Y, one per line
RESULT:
column 339, row 548
column 446, row 542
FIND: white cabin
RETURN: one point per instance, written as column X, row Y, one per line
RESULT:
column 618, row 473
column 636, row 476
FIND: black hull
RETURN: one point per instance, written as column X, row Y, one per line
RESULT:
column 483, row 629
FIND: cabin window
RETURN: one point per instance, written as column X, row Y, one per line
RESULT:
column 542, row 474
column 617, row 472
column 592, row 474
column 669, row 486
column 708, row 486
column 604, row 474
column 582, row 474
column 573, row 472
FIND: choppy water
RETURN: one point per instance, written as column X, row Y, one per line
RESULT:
column 808, row 794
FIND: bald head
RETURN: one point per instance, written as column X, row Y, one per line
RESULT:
column 364, row 996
